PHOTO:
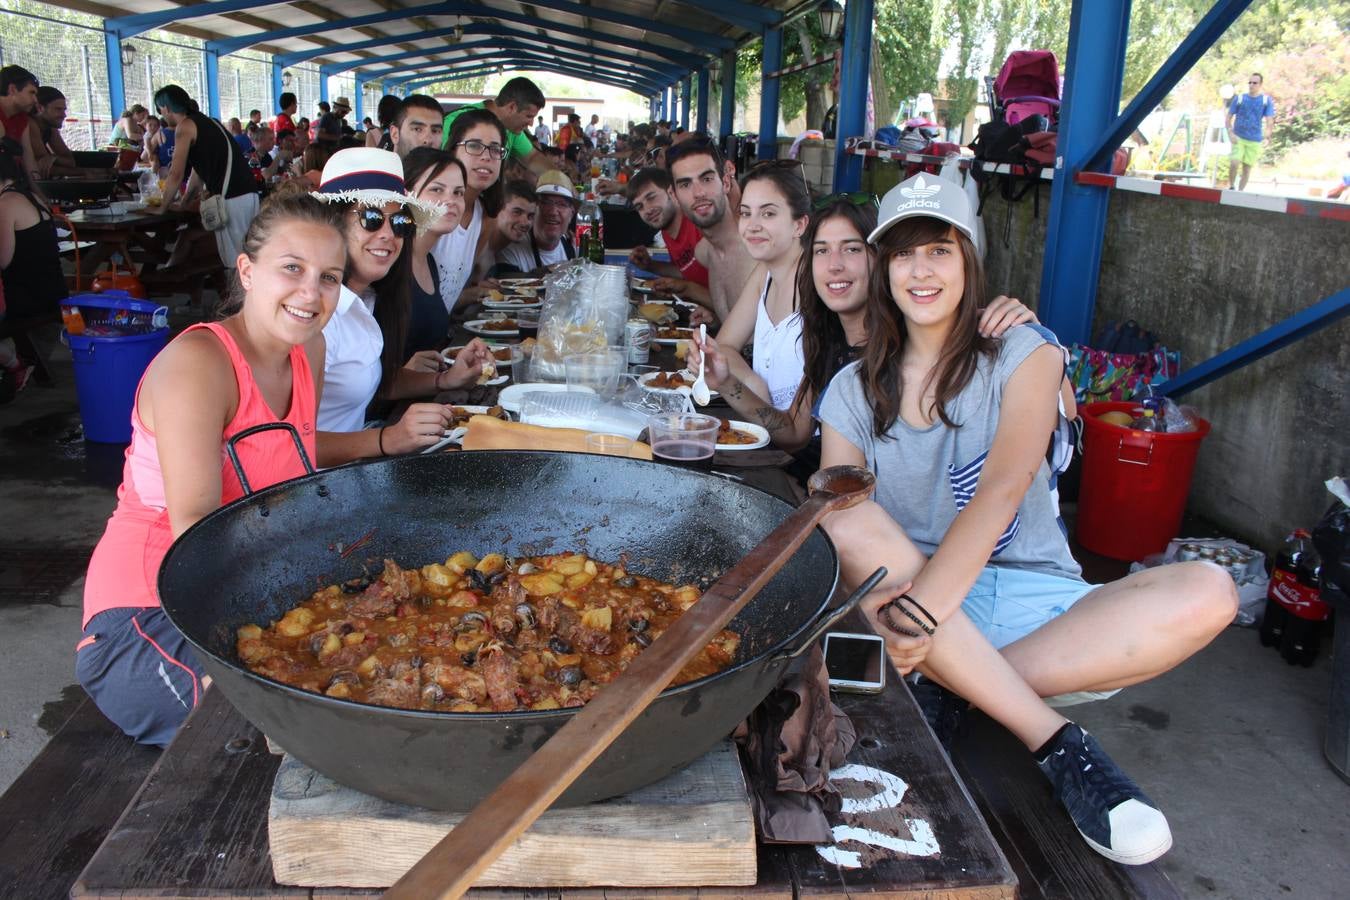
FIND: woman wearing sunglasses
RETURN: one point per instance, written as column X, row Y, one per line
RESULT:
column 366, row 336
column 478, row 140
column 831, row 281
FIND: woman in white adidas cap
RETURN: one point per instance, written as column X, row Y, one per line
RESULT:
column 983, row 595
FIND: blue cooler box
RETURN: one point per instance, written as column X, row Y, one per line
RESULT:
column 122, row 334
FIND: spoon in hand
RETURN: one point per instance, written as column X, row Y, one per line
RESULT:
column 702, row 396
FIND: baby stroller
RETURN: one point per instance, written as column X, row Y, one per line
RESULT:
column 1026, row 86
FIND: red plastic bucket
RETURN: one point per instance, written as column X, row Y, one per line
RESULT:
column 1134, row 485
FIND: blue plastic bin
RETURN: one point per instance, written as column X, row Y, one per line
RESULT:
column 108, row 368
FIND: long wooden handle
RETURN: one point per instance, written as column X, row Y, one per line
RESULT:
column 455, row 863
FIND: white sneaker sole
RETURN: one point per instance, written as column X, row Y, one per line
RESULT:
column 1138, row 858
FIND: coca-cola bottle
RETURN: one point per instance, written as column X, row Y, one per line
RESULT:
column 1307, row 611
column 1283, row 583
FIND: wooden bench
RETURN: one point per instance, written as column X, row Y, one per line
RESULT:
column 57, row 813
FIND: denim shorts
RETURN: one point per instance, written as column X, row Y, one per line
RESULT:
column 1007, row 604
column 140, row 671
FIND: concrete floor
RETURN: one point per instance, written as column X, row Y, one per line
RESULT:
column 1229, row 744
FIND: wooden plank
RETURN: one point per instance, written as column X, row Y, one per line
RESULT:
column 198, row 827
column 57, row 812
column 1050, row 858
column 693, row 828
column 909, row 829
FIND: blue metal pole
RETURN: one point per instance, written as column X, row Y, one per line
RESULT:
column 686, row 94
column 728, row 124
column 1077, row 224
column 1208, row 30
column 854, row 68
column 117, row 94
column 277, row 87
column 1296, row 327
column 702, row 118
column 212, row 83
column 323, row 87
column 358, row 103
column 771, row 61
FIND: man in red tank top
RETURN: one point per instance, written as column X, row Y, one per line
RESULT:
column 650, row 192
column 18, row 100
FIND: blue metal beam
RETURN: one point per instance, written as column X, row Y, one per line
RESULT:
column 475, row 28
column 698, row 39
column 126, row 26
column 227, row 46
column 771, row 59
column 686, row 90
column 853, row 71
column 1296, row 327
column 728, row 121
column 612, row 71
column 746, row 15
column 1077, row 225
column 449, row 8
column 212, row 83
column 703, row 87
column 358, row 102
column 524, row 55
column 559, row 47
column 511, row 65
column 1208, row 30
column 277, row 87
column 117, row 93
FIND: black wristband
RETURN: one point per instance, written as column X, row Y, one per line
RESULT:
column 884, row 615
column 379, row 439
column 920, row 607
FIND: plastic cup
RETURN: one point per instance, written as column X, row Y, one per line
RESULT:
column 598, row 370
column 683, row 439
column 609, row 444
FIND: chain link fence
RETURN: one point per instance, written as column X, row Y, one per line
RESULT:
column 305, row 86
column 162, row 58
column 63, row 49
column 245, row 84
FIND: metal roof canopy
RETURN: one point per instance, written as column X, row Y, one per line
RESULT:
column 651, row 45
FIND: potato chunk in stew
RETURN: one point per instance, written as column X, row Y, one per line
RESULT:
column 494, row 634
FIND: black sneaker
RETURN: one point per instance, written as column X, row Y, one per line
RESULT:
column 1111, row 813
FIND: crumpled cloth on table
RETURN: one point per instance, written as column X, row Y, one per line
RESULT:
column 791, row 742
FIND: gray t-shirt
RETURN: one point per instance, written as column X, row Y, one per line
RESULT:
column 926, row 476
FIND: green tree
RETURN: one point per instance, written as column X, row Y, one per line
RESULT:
column 472, row 85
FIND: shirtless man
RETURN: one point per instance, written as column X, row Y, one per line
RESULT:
column 705, row 186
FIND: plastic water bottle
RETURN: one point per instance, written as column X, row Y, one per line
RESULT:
column 1148, row 421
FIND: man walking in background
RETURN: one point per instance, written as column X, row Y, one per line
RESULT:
column 542, row 133
column 1246, row 117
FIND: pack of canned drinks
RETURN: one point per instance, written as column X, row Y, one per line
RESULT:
column 1246, row 565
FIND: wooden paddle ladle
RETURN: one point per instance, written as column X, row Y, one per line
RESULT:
column 455, row 863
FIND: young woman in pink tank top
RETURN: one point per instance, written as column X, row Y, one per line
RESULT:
column 262, row 364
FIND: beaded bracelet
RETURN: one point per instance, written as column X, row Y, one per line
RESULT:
column 884, row 615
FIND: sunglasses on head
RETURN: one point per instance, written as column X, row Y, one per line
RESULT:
column 764, row 164
column 400, row 221
column 857, row 198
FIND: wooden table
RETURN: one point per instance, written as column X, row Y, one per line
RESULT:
column 198, row 826
column 142, row 236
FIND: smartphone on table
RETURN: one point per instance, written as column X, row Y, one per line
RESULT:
column 856, row 663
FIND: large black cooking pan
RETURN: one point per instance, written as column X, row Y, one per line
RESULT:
column 251, row 560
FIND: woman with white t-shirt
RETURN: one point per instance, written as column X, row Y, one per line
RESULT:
column 774, row 210
column 365, row 337
column 478, row 140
